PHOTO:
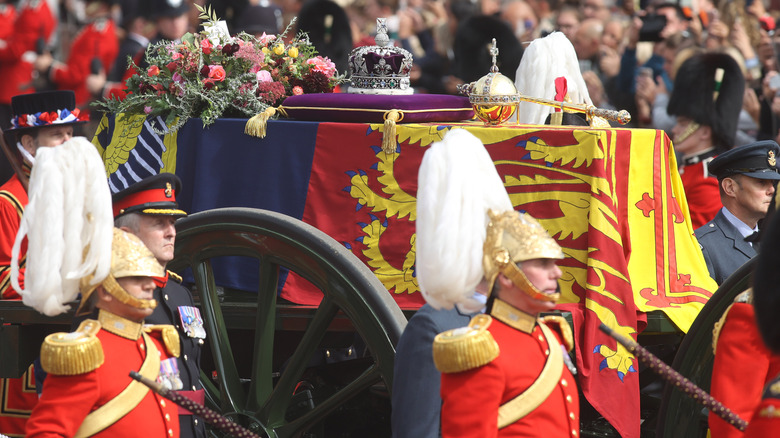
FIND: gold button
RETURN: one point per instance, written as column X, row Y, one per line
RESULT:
column 170, row 432
column 196, row 421
column 541, row 339
column 143, row 347
column 193, row 388
column 564, row 383
column 162, row 403
column 166, row 297
column 572, row 416
column 546, row 352
column 200, row 341
column 568, row 398
column 168, row 417
column 573, row 432
column 185, row 357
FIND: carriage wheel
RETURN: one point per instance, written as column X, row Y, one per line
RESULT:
column 679, row 415
column 265, row 401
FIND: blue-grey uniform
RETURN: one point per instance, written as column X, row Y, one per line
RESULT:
column 416, row 381
column 723, row 239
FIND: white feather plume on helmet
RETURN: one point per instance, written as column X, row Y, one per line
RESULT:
column 544, row 60
column 457, row 185
column 68, row 224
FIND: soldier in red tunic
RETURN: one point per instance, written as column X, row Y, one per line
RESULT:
column 704, row 130
column 765, row 421
column 43, row 119
column 29, row 32
column 509, row 372
column 94, row 49
column 88, row 391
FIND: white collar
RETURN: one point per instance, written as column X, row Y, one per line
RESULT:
column 742, row 227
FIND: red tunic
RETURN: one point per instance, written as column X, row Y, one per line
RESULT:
column 66, row 400
column 13, row 199
column 702, row 193
column 34, row 21
column 742, row 367
column 7, row 17
column 766, row 419
column 471, row 398
column 96, row 40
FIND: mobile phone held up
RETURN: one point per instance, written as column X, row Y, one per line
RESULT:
column 652, row 25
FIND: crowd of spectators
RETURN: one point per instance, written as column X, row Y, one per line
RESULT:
column 628, row 50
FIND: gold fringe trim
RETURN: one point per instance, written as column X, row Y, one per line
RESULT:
column 465, row 348
column 169, row 336
column 563, row 327
column 256, row 126
column 69, row 354
column 388, row 134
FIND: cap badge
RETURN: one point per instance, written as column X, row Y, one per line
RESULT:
column 169, row 189
column 771, row 159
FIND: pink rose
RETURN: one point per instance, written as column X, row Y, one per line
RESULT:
column 153, row 70
column 322, row 65
column 217, row 73
column 264, row 76
column 297, row 90
column 205, row 46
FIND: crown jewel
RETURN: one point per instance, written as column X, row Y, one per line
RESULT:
column 380, row 69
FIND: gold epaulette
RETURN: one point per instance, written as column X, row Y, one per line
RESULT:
column 175, row 277
column 465, row 348
column 744, row 297
column 559, row 324
column 169, row 336
column 69, row 354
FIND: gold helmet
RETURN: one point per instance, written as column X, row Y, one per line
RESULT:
column 514, row 237
column 129, row 258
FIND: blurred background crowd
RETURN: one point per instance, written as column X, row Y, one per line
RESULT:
column 628, row 50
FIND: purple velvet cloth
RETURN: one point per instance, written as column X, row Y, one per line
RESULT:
column 314, row 107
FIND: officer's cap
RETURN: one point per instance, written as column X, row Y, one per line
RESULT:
column 757, row 160
column 153, row 195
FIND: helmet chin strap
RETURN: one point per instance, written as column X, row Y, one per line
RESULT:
column 689, row 130
column 112, row 287
column 517, row 276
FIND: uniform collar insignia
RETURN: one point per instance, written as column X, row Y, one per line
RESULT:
column 512, row 316
column 120, row 326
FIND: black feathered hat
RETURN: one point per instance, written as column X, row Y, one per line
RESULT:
column 698, row 95
column 766, row 277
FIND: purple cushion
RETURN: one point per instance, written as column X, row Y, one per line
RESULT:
column 368, row 108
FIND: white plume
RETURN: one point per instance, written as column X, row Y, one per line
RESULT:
column 68, row 224
column 544, row 60
column 457, row 184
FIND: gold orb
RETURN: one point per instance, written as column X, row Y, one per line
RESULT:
column 494, row 98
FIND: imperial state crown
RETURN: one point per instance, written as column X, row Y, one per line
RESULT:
column 380, row 69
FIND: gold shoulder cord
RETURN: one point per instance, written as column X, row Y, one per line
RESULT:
column 538, row 392
column 111, row 412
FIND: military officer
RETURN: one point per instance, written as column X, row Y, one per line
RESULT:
column 149, row 210
column 747, row 177
column 88, row 391
column 704, row 130
column 44, row 119
column 507, row 373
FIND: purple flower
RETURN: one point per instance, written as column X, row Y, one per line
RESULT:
column 147, row 109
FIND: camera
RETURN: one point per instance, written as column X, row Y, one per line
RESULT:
column 652, row 25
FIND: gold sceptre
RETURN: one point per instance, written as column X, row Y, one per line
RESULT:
column 590, row 111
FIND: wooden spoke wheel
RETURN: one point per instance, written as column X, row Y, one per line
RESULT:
column 680, row 415
column 268, row 398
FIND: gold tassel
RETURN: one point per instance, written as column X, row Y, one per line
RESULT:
column 388, row 135
column 69, row 354
column 256, row 126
